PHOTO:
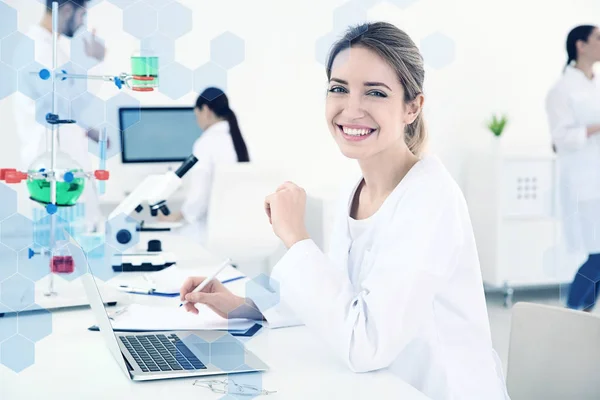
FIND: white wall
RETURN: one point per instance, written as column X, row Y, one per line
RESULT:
column 508, row 53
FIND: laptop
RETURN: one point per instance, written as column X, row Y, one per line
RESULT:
column 173, row 354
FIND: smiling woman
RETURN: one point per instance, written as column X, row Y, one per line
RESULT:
column 386, row 74
column 401, row 286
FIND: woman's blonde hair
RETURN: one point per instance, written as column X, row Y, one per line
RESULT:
column 398, row 49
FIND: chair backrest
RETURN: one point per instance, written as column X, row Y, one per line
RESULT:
column 237, row 225
column 554, row 353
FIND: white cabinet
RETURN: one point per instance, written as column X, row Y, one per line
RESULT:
column 514, row 209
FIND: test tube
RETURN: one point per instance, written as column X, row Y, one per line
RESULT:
column 103, row 144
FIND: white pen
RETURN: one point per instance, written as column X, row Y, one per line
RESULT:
column 208, row 279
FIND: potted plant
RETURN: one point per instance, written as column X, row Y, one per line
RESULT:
column 497, row 124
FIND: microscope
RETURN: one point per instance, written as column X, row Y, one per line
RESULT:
column 154, row 190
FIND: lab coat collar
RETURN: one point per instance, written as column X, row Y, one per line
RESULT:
column 398, row 190
column 391, row 201
column 221, row 126
column 576, row 73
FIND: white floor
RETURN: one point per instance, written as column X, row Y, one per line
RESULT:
column 500, row 316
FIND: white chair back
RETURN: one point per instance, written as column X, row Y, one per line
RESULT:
column 554, row 353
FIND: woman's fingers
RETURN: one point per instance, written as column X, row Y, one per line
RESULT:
column 189, row 285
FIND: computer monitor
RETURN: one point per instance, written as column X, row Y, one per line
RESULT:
column 157, row 134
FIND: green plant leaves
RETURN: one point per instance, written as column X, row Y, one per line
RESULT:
column 497, row 124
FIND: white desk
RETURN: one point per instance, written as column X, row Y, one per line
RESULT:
column 74, row 363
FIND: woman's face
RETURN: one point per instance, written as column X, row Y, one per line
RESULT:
column 202, row 117
column 591, row 48
column 365, row 107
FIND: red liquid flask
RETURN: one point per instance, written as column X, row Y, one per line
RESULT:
column 62, row 264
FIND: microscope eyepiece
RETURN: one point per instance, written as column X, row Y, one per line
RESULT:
column 185, row 167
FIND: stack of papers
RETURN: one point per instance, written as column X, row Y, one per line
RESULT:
column 137, row 317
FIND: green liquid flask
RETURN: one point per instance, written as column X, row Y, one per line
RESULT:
column 144, row 70
column 67, row 193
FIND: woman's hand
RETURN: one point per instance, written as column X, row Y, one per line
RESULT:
column 285, row 209
column 214, row 295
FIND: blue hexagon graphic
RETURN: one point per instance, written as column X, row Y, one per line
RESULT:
column 17, row 353
column 263, row 291
column 17, row 292
column 42, row 231
column 17, row 232
column 35, row 325
column 227, row 353
column 438, row 50
column 140, row 20
column 71, row 88
column 175, row 20
column 43, row 106
column 227, row 50
column 160, row 46
column 210, row 75
column 8, row 326
column 17, row 50
column 176, row 81
column 8, row 80
column 113, row 141
column 197, row 344
column 33, row 266
column 79, row 44
column 348, row 14
column 8, row 200
column 121, row 100
column 245, row 385
column 158, row 4
column 121, row 232
column 402, row 3
column 88, row 110
column 8, row 262
column 8, row 20
column 323, row 47
column 100, row 260
column 30, row 83
column 123, row 3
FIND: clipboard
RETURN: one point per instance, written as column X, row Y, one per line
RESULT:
column 248, row 333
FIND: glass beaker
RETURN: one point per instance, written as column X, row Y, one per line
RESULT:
column 67, row 192
column 144, row 71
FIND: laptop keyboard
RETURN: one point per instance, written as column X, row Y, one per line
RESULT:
column 155, row 353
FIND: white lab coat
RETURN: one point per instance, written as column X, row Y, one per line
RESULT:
column 572, row 105
column 213, row 147
column 33, row 135
column 418, row 307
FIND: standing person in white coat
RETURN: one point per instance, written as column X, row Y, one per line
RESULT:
column 220, row 143
column 401, row 287
column 573, row 108
column 72, row 139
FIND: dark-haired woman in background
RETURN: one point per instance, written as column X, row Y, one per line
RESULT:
column 220, row 143
column 573, row 107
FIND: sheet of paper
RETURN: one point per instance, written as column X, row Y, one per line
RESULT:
column 151, row 318
column 170, row 280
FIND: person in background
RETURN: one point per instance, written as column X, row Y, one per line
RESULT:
column 72, row 139
column 401, row 287
column 220, row 143
column 573, row 109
